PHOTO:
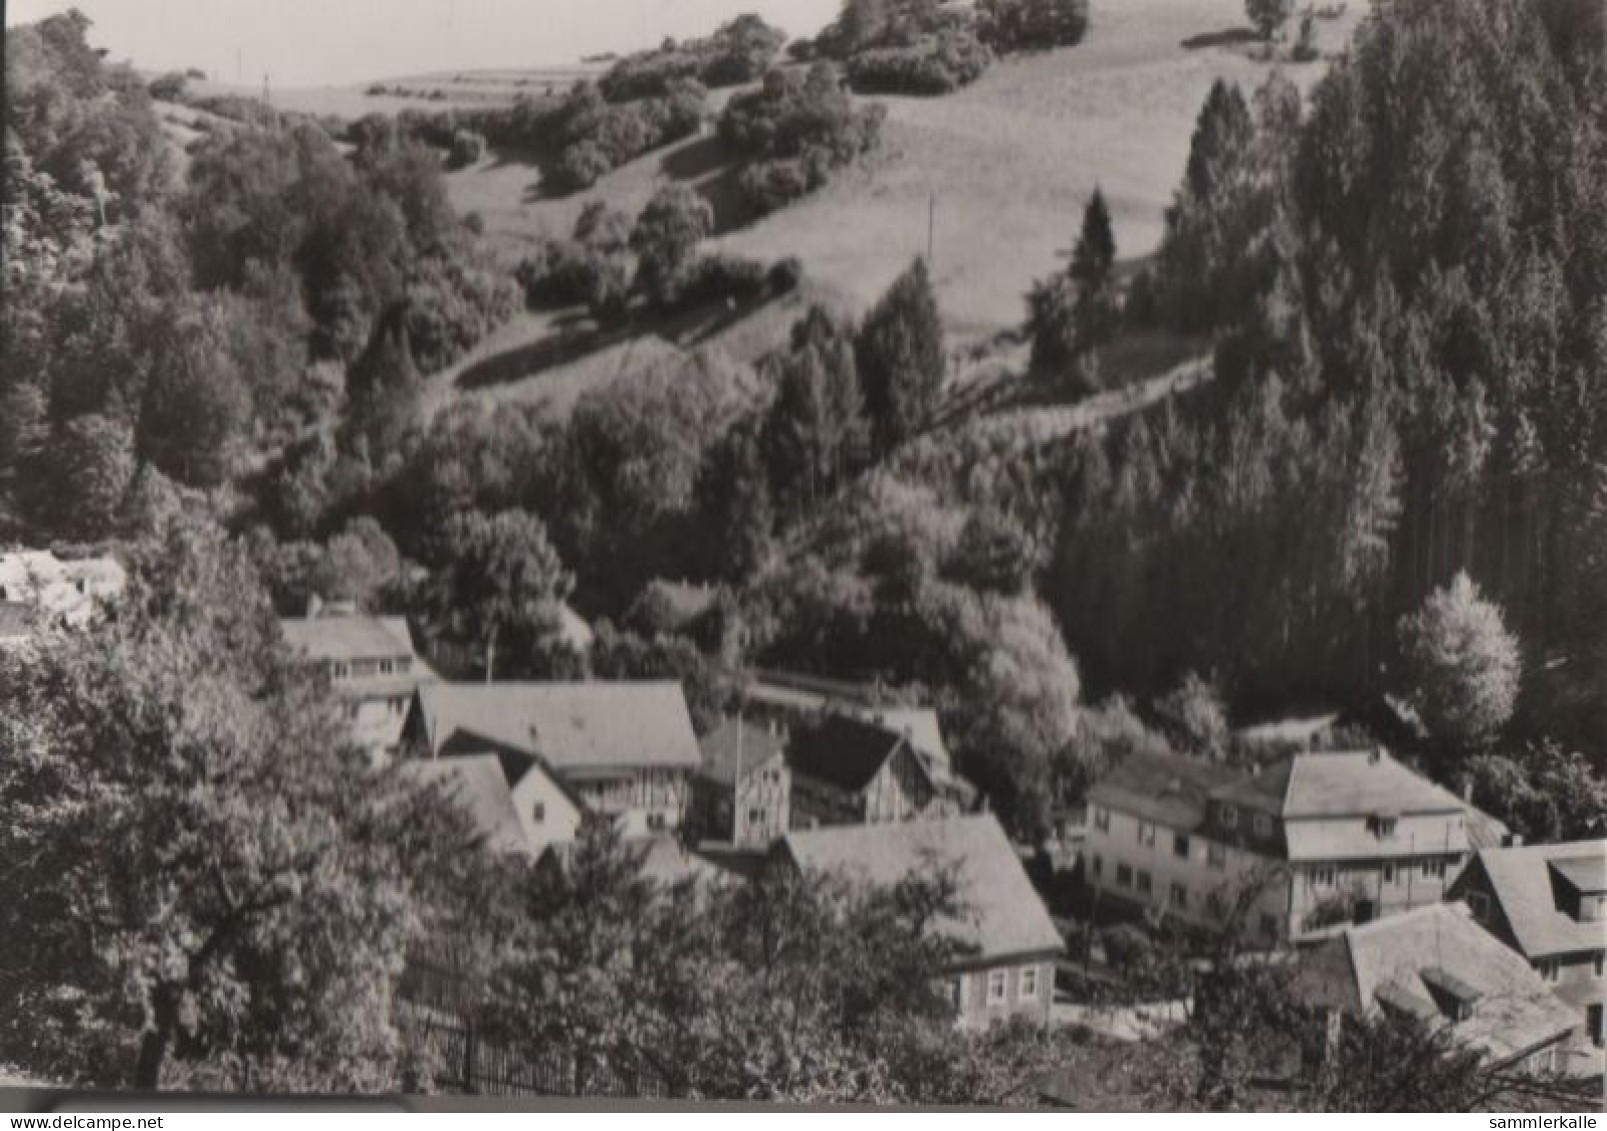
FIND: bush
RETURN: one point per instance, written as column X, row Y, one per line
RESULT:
column 597, row 137
column 739, row 52
column 936, row 66
column 169, row 87
column 1031, row 25
column 796, row 129
column 580, row 166
column 786, row 275
column 467, row 149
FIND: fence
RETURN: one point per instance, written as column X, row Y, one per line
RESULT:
column 465, row 1061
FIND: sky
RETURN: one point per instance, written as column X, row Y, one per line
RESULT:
column 339, row 42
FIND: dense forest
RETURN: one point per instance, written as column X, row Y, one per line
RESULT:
column 1388, row 502
column 1407, row 387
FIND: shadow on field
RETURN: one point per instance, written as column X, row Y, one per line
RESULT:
column 713, row 169
column 576, row 337
column 1228, row 37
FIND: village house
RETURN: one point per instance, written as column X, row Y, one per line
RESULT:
column 625, row 751
column 760, row 779
column 480, row 788
column 36, row 584
column 848, row 772
column 1548, row 902
column 1012, row 943
column 1436, row 964
column 742, row 792
column 371, row 665
column 1310, row 841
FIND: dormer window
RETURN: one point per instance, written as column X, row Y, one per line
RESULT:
column 1456, row 999
column 1230, row 817
column 1382, row 824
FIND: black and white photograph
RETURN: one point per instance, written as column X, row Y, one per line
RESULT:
column 893, row 554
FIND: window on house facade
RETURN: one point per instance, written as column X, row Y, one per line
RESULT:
column 1102, row 819
column 1146, row 883
column 1434, row 868
column 1146, row 833
column 656, row 822
column 1180, row 846
column 1389, row 871
column 997, row 986
column 1381, row 826
column 387, row 667
column 1601, row 963
column 1594, row 1025
column 1230, row 817
column 1216, row 856
column 1550, row 969
column 1124, row 876
column 1028, row 990
column 1322, row 875
column 1180, row 896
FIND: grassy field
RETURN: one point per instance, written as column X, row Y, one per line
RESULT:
column 1010, row 162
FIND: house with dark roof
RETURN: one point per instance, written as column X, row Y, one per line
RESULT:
column 1437, row 965
column 1306, row 842
column 621, row 750
column 845, row 771
column 371, row 664
column 1009, row 940
column 742, row 794
column 1548, row 902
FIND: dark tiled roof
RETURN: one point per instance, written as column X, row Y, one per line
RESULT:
column 842, row 752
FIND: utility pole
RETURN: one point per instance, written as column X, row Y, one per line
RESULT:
column 931, row 229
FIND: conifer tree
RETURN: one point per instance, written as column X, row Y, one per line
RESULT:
column 901, row 359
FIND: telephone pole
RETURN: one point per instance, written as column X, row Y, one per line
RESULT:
column 931, row 230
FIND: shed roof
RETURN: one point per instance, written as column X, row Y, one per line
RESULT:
column 1002, row 914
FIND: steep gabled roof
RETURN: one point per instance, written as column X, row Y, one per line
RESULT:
column 1002, row 915
column 920, row 726
column 480, row 787
column 1400, row 960
column 574, row 727
column 1536, row 911
column 842, row 751
column 752, row 744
